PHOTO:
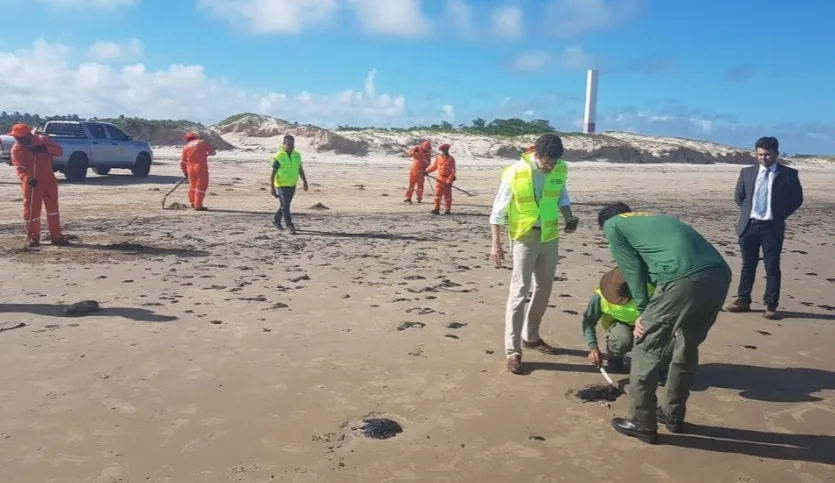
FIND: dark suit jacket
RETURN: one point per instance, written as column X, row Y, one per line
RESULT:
column 786, row 196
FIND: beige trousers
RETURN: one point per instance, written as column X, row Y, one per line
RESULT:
column 532, row 260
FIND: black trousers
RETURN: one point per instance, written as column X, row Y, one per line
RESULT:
column 285, row 197
column 760, row 234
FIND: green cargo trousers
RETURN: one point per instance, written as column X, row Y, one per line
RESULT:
column 686, row 308
column 619, row 340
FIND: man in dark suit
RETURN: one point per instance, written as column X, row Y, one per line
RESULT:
column 767, row 194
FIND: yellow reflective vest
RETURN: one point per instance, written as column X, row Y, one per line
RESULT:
column 613, row 313
column 524, row 212
column 288, row 168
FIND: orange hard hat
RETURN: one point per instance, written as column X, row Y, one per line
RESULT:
column 191, row 136
column 20, row 131
column 444, row 147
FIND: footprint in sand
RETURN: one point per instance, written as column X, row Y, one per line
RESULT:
column 409, row 325
column 119, row 405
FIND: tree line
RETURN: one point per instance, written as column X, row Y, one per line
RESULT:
column 496, row 127
column 7, row 120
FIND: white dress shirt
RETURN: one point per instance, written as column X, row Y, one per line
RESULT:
column 772, row 173
column 505, row 195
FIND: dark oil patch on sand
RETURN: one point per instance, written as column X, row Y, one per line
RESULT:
column 380, row 428
column 595, row 393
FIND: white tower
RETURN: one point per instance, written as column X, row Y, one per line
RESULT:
column 591, row 101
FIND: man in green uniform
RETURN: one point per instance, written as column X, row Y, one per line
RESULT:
column 612, row 305
column 692, row 281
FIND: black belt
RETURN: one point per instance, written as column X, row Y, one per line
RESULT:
column 756, row 221
column 536, row 228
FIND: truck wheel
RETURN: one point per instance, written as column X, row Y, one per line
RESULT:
column 142, row 166
column 101, row 171
column 76, row 169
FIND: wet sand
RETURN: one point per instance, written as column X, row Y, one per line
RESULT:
column 226, row 351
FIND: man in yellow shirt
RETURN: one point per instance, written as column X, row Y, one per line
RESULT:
column 287, row 169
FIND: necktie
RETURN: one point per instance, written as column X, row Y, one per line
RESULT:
column 761, row 202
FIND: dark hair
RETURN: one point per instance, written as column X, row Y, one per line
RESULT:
column 549, row 146
column 611, row 211
column 769, row 143
column 289, row 136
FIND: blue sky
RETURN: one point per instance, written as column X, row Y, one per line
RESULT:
column 728, row 71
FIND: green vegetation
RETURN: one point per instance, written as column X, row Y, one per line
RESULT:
column 128, row 123
column 497, row 127
column 235, row 118
column 8, row 120
column 818, row 156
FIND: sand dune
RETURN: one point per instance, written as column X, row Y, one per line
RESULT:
column 254, row 133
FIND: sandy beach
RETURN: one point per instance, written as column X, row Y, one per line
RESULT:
column 227, row 351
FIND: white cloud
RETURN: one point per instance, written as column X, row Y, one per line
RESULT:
column 44, row 79
column 575, row 58
column 403, row 18
column 400, row 18
column 507, row 22
column 449, row 112
column 567, row 18
column 90, row 4
column 129, row 50
column 533, row 61
column 460, row 16
column 273, row 16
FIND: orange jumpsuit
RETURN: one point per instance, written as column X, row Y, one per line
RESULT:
column 32, row 165
column 420, row 161
column 445, row 166
column 194, row 164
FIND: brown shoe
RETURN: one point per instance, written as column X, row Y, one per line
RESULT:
column 739, row 306
column 771, row 313
column 540, row 346
column 514, row 364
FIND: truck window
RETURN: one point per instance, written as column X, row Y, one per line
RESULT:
column 64, row 130
column 97, row 131
column 115, row 133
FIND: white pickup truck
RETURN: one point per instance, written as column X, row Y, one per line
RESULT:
column 101, row 146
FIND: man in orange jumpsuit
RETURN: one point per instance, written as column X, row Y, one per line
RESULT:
column 421, row 156
column 194, row 164
column 445, row 166
column 32, row 158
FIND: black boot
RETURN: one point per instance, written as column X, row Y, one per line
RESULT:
column 435, row 212
column 672, row 426
column 277, row 224
column 628, row 428
column 292, row 229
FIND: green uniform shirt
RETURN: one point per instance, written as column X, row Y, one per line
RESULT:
column 657, row 249
column 590, row 318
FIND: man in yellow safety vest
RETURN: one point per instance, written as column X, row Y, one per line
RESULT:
column 530, row 198
column 287, row 169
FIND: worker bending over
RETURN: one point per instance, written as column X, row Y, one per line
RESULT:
column 421, row 156
column 194, row 163
column 32, row 158
column 445, row 166
column 287, row 169
column 692, row 281
column 612, row 305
